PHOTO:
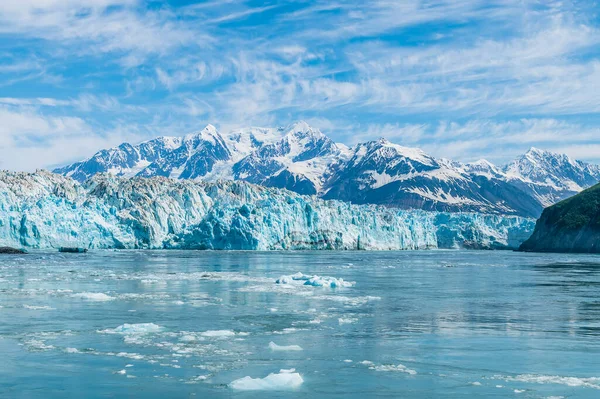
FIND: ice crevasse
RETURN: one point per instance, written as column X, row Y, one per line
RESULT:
column 46, row 210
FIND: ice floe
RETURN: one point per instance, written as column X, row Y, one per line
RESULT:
column 139, row 328
column 285, row 379
column 34, row 307
column 388, row 367
column 94, row 296
column 589, row 382
column 274, row 347
column 315, row 281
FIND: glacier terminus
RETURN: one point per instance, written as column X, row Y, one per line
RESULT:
column 47, row 210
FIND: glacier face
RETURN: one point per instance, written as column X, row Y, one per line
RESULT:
column 300, row 158
column 46, row 210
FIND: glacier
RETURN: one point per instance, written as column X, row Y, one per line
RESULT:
column 47, row 210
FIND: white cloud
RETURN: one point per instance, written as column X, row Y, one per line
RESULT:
column 99, row 26
column 499, row 75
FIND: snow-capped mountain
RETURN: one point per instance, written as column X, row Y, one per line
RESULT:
column 551, row 177
column 303, row 159
column 46, row 210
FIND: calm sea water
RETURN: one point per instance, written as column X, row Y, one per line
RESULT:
column 431, row 324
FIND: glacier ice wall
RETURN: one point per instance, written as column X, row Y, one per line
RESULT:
column 46, row 210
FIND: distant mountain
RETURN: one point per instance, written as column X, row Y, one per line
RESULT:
column 303, row 159
column 551, row 177
column 572, row 225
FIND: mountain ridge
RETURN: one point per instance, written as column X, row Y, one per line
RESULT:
column 305, row 160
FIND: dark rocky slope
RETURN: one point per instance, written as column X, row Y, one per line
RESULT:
column 572, row 225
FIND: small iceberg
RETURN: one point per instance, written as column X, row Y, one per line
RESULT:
column 140, row 328
column 274, row 347
column 388, row 367
column 218, row 334
column 285, row 379
column 94, row 296
column 292, row 278
column 315, row 281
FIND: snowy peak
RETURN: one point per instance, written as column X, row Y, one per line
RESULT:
column 243, row 142
column 303, row 159
column 209, row 134
column 556, row 170
column 381, row 152
column 303, row 142
column 483, row 167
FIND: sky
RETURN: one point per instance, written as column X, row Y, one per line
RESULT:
column 463, row 79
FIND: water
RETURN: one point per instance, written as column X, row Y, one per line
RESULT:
column 440, row 324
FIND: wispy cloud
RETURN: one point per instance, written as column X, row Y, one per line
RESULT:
column 463, row 79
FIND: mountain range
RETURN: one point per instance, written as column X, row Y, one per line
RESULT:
column 304, row 160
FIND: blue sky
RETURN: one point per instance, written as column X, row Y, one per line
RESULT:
column 461, row 79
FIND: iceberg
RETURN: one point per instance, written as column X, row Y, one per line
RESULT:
column 315, row 281
column 93, row 296
column 275, row 348
column 46, row 210
column 139, row 328
column 285, row 379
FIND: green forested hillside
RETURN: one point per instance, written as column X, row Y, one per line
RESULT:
column 572, row 225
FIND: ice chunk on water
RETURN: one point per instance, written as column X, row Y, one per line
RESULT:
column 218, row 333
column 326, row 281
column 94, row 296
column 394, row 367
column 590, row 382
column 285, row 379
column 292, row 278
column 315, row 281
column 388, row 367
column 35, row 307
column 140, row 328
column 274, row 347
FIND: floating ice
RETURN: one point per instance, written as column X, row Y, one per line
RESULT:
column 315, row 281
column 291, row 278
column 589, row 382
column 140, row 328
column 388, row 367
column 285, row 379
column 94, row 296
column 274, row 347
column 218, row 334
column 33, row 307
column 332, row 282
column 38, row 345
